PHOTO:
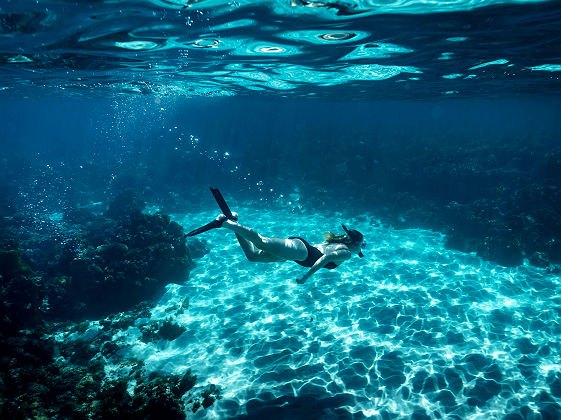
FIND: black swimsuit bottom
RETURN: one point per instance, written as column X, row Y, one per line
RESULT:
column 314, row 254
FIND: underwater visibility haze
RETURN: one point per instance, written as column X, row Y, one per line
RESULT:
column 431, row 127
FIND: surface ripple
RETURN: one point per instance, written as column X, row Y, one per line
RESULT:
column 338, row 49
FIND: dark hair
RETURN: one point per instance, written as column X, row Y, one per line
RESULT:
column 351, row 237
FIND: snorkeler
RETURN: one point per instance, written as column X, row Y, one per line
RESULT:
column 330, row 254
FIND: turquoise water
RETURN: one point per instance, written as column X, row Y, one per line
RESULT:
column 432, row 127
column 411, row 328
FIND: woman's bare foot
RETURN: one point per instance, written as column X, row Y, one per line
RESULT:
column 222, row 218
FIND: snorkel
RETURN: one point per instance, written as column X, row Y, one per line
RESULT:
column 357, row 239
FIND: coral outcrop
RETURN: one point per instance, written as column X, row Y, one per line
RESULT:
column 96, row 266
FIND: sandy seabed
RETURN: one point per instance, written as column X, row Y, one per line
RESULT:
column 412, row 329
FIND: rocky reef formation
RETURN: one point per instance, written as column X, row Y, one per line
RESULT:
column 88, row 265
column 99, row 263
column 44, row 377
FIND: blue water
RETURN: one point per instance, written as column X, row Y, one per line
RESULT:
column 431, row 127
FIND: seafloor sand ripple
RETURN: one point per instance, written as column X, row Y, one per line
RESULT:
column 413, row 328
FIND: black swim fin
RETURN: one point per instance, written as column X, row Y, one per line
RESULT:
column 215, row 223
column 221, row 203
column 212, row 225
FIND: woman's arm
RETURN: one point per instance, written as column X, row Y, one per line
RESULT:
column 339, row 255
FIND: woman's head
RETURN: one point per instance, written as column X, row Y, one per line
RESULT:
column 352, row 238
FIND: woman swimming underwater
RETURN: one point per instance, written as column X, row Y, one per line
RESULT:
column 329, row 254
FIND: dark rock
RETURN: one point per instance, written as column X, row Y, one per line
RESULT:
column 187, row 382
column 12, row 264
column 539, row 259
column 210, row 395
column 503, row 249
column 78, row 216
column 82, row 352
column 155, row 399
column 136, row 258
column 170, row 330
column 112, row 252
column 109, row 349
column 150, row 333
column 114, row 401
column 21, row 294
column 125, row 204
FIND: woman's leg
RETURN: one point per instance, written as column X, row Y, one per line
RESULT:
column 282, row 249
column 255, row 254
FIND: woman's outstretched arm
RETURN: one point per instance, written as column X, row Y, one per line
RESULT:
column 340, row 255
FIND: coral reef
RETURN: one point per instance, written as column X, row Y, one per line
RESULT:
column 44, row 377
column 103, row 263
column 20, row 295
column 170, row 331
column 97, row 265
column 167, row 330
column 124, row 263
